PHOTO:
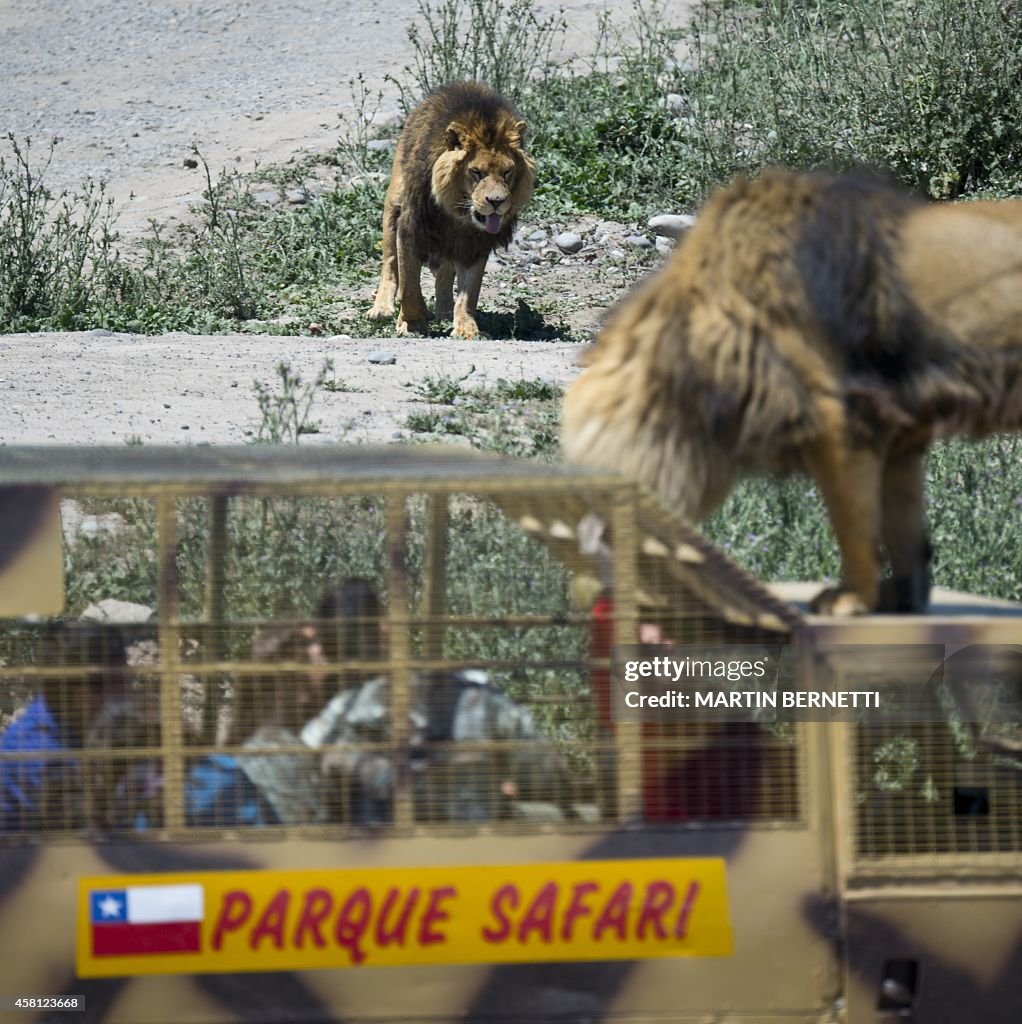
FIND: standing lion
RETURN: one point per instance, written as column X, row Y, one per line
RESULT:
column 461, row 176
column 832, row 326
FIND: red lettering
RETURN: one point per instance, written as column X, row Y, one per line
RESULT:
column 315, row 910
column 385, row 937
column 576, row 908
column 234, row 913
column 681, row 925
column 272, row 921
column 659, row 899
column 615, row 913
column 505, row 894
column 435, row 915
column 540, row 915
column 352, row 922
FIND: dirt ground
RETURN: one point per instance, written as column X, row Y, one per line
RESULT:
column 128, row 89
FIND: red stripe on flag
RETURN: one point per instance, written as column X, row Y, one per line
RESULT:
column 124, row 939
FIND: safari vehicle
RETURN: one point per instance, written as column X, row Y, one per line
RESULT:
column 860, row 871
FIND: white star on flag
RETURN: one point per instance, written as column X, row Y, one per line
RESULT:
column 109, row 906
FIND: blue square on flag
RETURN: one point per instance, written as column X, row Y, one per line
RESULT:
column 109, row 906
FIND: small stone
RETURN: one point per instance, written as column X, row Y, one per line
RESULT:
column 568, row 241
column 671, row 225
column 112, row 610
column 339, row 337
column 674, row 103
column 664, row 245
column 616, row 254
column 297, row 196
column 381, row 358
column 537, row 236
column 639, row 242
column 380, row 145
column 101, row 332
column 316, row 329
column 267, row 198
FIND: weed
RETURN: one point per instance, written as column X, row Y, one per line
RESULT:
column 441, row 390
column 56, row 251
column 338, row 385
column 512, row 46
column 285, row 416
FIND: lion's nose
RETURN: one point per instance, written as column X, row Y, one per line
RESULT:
column 495, row 201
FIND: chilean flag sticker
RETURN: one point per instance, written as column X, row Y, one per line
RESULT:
column 146, row 919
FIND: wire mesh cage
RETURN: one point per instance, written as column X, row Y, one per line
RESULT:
column 361, row 638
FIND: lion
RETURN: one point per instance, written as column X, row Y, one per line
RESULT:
column 461, row 177
column 834, row 326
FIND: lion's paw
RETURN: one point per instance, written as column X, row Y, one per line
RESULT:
column 412, row 327
column 465, row 328
column 381, row 312
column 838, row 601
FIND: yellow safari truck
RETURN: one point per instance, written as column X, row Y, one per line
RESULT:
column 462, row 797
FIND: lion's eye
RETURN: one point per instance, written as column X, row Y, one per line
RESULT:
column 477, row 175
column 508, row 175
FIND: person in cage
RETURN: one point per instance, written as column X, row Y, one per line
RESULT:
column 718, row 780
column 126, row 792
column 269, row 713
column 89, row 667
column 504, row 765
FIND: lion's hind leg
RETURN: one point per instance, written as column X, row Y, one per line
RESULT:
column 386, row 294
column 904, row 532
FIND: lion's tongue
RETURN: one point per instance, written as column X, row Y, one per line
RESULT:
column 493, row 223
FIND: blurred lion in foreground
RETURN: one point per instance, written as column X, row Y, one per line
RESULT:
column 461, row 177
column 826, row 325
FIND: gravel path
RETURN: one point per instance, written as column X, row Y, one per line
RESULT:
column 128, row 88
column 188, row 389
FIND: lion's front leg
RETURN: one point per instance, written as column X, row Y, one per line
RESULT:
column 414, row 317
column 470, row 280
column 850, row 480
column 445, row 291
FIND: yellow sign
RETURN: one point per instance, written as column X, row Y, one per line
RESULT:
column 369, row 917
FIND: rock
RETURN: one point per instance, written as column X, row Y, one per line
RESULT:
column 380, row 358
column 671, row 225
column 664, row 245
column 537, row 236
column 339, row 337
column 568, row 241
column 639, row 242
column 297, row 196
column 380, row 145
column 267, row 198
column 121, row 612
column 674, row 103
column 101, row 332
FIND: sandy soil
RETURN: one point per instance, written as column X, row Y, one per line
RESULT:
column 128, row 88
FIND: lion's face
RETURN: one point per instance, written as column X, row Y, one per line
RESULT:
column 484, row 177
column 488, row 179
